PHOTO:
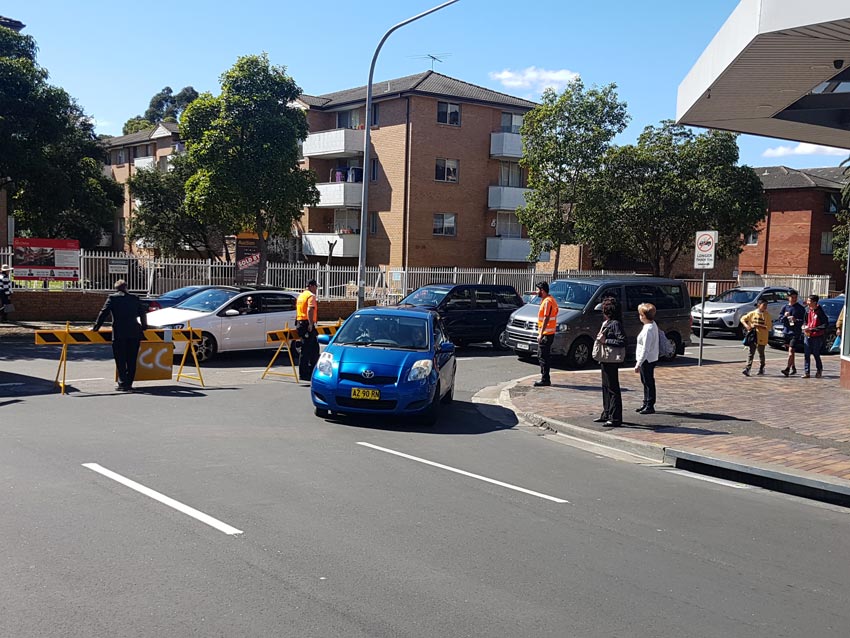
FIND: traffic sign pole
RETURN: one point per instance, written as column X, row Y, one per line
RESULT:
column 704, row 249
column 701, row 317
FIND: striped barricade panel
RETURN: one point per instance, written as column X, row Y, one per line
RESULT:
column 291, row 334
column 89, row 337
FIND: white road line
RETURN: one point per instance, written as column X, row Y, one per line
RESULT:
column 165, row 500
column 90, row 379
column 464, row 473
column 711, row 479
column 6, row 385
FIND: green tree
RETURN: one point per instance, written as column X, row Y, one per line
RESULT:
column 841, row 231
column 164, row 106
column 244, row 144
column 651, row 198
column 564, row 140
column 134, row 125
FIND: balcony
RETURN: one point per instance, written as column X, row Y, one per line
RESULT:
column 341, row 142
column 144, row 162
column 506, row 197
column 340, row 195
column 511, row 249
column 505, row 146
column 318, row 244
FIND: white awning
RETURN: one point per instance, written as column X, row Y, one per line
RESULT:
column 777, row 68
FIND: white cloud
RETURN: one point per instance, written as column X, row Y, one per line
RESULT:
column 804, row 148
column 534, row 78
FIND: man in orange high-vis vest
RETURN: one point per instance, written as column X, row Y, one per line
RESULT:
column 306, row 318
column 547, row 325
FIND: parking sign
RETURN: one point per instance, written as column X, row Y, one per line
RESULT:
column 704, row 247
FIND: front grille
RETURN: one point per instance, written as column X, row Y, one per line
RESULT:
column 522, row 336
column 359, row 378
column 348, row 402
column 523, row 325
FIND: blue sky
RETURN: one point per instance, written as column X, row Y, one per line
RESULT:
column 113, row 56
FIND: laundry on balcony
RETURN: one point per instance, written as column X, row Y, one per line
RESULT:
column 352, row 174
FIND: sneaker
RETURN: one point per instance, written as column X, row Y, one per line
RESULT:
column 805, row 375
column 818, row 374
column 542, row 384
column 785, row 371
column 745, row 372
column 640, row 409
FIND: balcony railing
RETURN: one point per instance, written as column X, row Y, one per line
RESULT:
column 505, row 145
column 341, row 142
column 144, row 162
column 318, row 244
column 511, row 249
column 340, row 195
column 506, row 197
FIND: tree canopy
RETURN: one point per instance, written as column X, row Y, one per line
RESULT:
column 244, row 147
column 564, row 140
column 165, row 106
column 841, row 231
column 652, row 197
column 50, row 154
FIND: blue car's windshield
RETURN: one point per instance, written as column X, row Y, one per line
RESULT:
column 389, row 331
column 208, row 300
column 737, row 296
column 425, row 297
column 570, row 294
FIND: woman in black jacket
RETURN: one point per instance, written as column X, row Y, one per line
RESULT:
column 611, row 334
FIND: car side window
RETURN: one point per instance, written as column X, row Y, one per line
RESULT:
column 439, row 333
column 782, row 295
column 507, row 299
column 459, row 299
column 277, row 303
column 670, row 297
column 769, row 297
column 485, row 300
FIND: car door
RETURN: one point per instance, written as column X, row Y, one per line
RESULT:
column 776, row 303
column 445, row 361
column 240, row 331
column 455, row 311
column 485, row 313
column 279, row 312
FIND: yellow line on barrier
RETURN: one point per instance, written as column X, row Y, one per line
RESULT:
column 286, row 336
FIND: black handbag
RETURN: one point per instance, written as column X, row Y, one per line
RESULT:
column 751, row 338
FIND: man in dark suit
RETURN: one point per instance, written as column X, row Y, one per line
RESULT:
column 128, row 323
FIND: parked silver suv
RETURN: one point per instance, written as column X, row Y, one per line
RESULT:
column 724, row 311
column 579, row 315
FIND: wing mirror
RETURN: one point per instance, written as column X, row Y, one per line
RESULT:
column 323, row 339
column 447, row 347
column 231, row 312
column 597, row 307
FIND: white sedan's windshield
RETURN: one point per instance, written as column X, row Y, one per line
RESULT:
column 208, row 300
column 389, row 331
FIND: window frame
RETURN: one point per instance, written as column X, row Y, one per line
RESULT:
column 443, row 226
column 512, row 127
column 502, row 214
column 376, row 114
column 827, row 239
column 373, row 170
column 752, row 238
column 446, row 170
column 373, row 222
column 833, row 203
column 451, row 107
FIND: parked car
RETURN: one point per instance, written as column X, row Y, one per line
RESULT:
column 723, row 312
column 832, row 307
column 227, row 319
column 528, row 296
column 176, row 296
column 471, row 313
column 396, row 361
column 580, row 315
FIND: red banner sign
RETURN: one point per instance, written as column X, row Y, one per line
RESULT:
column 50, row 259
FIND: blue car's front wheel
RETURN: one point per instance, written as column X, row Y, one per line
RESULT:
column 432, row 414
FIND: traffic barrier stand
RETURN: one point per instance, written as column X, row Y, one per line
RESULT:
column 68, row 337
column 285, row 338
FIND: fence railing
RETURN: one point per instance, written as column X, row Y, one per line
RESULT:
column 804, row 284
column 716, row 285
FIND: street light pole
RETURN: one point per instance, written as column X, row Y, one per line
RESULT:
column 367, row 168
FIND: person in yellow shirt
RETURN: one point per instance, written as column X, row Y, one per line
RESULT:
column 760, row 321
column 306, row 318
column 547, row 324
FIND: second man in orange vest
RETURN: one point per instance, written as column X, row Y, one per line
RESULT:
column 547, row 324
column 306, row 318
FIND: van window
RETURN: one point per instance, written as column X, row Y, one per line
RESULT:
column 485, row 300
column 672, row 297
column 663, row 297
column 459, row 299
column 508, row 299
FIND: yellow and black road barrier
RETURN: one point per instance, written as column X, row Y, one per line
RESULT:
column 68, row 337
column 285, row 338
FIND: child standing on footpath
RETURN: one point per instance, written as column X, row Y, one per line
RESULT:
column 760, row 321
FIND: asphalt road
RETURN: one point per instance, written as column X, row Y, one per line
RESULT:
column 478, row 527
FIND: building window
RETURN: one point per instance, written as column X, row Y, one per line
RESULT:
column 448, row 113
column 348, row 119
column 510, row 174
column 346, row 220
column 511, row 122
column 444, row 224
column 826, row 243
column 373, row 172
column 373, row 223
column 122, row 226
column 833, row 203
column 376, row 114
column 752, row 238
column 446, row 170
column 119, row 156
column 507, row 225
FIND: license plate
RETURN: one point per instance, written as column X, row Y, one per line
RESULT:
column 523, row 346
column 366, row 393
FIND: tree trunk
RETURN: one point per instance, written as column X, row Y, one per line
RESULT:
column 557, row 261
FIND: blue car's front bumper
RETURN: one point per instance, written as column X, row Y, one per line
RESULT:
column 410, row 397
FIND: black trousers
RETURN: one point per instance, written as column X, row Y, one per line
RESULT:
column 647, row 378
column 544, row 355
column 612, row 401
column 309, row 351
column 125, row 352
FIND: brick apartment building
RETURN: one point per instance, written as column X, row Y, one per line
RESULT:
column 795, row 237
column 445, row 175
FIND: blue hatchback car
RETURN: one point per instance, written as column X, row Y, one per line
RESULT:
column 395, row 361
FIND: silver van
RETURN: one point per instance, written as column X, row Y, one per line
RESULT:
column 580, row 315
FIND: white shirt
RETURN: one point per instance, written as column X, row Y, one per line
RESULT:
column 647, row 344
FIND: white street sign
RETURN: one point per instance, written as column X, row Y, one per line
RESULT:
column 704, row 247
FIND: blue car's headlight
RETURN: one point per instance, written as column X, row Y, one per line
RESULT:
column 421, row 370
column 325, row 365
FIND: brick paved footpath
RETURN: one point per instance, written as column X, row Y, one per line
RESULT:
column 802, row 424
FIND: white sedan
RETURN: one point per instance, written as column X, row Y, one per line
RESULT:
column 229, row 319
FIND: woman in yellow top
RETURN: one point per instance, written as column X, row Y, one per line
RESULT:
column 760, row 321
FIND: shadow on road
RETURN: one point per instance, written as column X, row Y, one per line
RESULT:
column 13, row 384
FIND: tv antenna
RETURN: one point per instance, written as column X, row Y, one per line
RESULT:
column 434, row 57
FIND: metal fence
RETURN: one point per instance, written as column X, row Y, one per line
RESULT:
column 804, row 284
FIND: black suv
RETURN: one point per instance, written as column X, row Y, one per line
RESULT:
column 471, row 313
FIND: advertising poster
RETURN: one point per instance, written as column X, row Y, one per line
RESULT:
column 46, row 259
column 247, row 259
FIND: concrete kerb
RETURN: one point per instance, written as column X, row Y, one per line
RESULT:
column 806, row 484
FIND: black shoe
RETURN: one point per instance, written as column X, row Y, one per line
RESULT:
column 613, row 424
column 745, row 372
column 541, row 384
column 760, row 372
column 120, row 388
column 793, row 370
column 601, row 419
column 785, row 371
column 648, row 410
column 640, row 409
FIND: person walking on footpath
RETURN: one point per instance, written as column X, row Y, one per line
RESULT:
column 646, row 356
column 760, row 321
column 792, row 316
column 611, row 334
column 814, row 331
column 547, row 324
column 129, row 322
column 306, row 318
column 5, row 290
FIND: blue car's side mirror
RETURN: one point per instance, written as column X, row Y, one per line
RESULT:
column 447, row 347
column 324, row 339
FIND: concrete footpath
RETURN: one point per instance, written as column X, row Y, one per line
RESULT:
column 791, row 434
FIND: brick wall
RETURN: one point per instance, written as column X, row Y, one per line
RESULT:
column 333, row 309
column 56, row 306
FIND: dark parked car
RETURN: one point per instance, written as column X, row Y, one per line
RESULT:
column 471, row 313
column 832, row 308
